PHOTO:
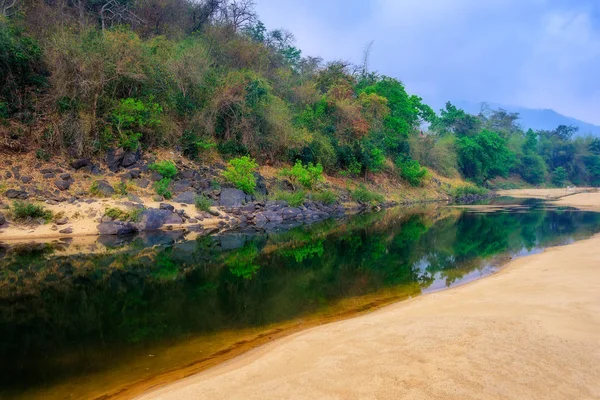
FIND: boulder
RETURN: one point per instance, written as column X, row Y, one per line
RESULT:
column 62, row 221
column 65, row 177
column 49, row 175
column 186, row 198
column 165, row 206
column 142, row 183
column 155, row 176
column 291, row 213
column 131, row 157
column 232, row 198
column 66, row 231
column 16, row 194
column 2, row 219
column 116, row 228
column 261, row 184
column 26, row 179
column 273, row 216
column 80, row 163
column 174, row 219
column 152, row 219
column 62, row 184
column 181, row 186
column 114, row 159
column 105, row 189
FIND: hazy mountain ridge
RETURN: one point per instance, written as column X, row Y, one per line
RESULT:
column 536, row 118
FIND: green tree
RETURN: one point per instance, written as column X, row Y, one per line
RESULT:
column 484, row 156
column 559, row 176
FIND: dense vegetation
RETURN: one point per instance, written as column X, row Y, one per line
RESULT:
column 83, row 76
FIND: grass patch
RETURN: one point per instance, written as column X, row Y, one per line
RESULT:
column 22, row 210
column 162, row 188
column 203, row 203
column 467, row 190
column 326, row 197
column 363, row 195
column 294, row 199
column 132, row 215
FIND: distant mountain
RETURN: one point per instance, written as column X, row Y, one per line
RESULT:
column 536, row 118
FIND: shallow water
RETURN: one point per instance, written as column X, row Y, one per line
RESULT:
column 146, row 310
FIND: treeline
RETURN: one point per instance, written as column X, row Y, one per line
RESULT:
column 82, row 76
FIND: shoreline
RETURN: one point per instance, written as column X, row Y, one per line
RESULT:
column 216, row 382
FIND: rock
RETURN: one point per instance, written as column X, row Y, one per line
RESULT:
column 232, row 198
column 152, row 219
column 105, row 189
column 46, row 171
column 62, row 221
column 80, row 163
column 174, row 219
column 248, row 208
column 155, row 176
column 65, row 177
column 114, row 159
column 49, row 175
column 181, row 186
column 135, row 173
column 131, row 157
column 62, row 184
column 273, row 216
column 134, row 198
column 116, row 228
column 291, row 213
column 261, row 184
column 213, row 212
column 157, row 198
column 8, row 175
column 26, row 179
column 165, row 206
column 142, row 183
column 2, row 219
column 192, row 220
column 66, row 231
column 186, row 198
column 16, row 194
column 188, row 174
column 54, row 228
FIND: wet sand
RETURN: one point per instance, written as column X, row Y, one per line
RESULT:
column 531, row 331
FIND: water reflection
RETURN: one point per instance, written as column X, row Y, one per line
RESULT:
column 65, row 319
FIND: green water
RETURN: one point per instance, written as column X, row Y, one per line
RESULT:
column 66, row 322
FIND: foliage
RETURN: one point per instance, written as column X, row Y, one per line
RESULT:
column 484, row 156
column 162, row 188
column 131, row 118
column 308, row 176
column 411, row 171
column 166, row 168
column 22, row 210
column 116, row 213
column 240, row 172
column 467, row 190
column 294, row 199
column 559, row 176
column 203, row 203
column 327, row 197
column 363, row 195
column 532, row 169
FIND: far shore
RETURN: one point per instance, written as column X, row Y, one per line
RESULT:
column 528, row 332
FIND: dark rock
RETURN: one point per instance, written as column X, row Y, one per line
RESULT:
column 291, row 213
column 62, row 221
column 8, row 175
column 186, row 198
column 165, row 206
column 188, row 174
column 273, row 216
column 155, row 176
column 181, row 186
column 135, row 173
column 80, row 163
column 49, row 175
column 116, row 228
column 174, row 219
column 232, row 198
column 26, row 179
column 152, row 219
column 248, row 208
column 16, row 194
column 261, row 184
column 143, row 183
column 2, row 219
column 62, row 184
column 214, row 213
column 134, row 198
column 192, row 220
column 105, row 189
column 66, row 177
column 46, row 171
column 131, row 157
column 114, row 159
column 66, row 231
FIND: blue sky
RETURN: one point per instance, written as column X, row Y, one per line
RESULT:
column 532, row 53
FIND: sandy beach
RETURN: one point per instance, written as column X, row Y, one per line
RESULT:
column 531, row 331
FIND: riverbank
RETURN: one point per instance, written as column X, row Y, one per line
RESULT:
column 530, row 331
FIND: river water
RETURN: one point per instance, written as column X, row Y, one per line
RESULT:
column 117, row 316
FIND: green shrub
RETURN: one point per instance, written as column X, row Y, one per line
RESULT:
column 166, row 168
column 294, row 199
column 411, row 171
column 326, row 197
column 42, row 154
column 131, row 117
column 203, row 203
column 162, row 188
column 132, row 215
column 559, row 176
column 307, row 176
column 192, row 145
column 121, row 188
column 22, row 210
column 467, row 190
column 363, row 195
column 240, row 172
column 94, row 190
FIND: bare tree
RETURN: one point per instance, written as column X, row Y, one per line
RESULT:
column 204, row 12
column 238, row 13
column 113, row 11
column 8, row 7
column 366, row 56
